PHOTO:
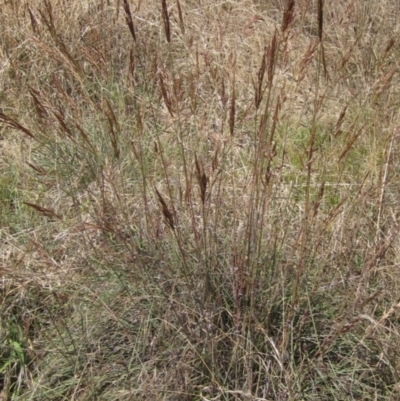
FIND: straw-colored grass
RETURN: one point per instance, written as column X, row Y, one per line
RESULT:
column 198, row 200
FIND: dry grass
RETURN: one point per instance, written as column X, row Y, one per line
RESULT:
column 199, row 200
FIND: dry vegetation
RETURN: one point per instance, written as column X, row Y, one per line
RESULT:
column 199, row 200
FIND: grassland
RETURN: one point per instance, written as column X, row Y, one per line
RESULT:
column 199, row 200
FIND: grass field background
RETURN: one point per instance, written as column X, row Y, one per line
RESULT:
column 199, row 200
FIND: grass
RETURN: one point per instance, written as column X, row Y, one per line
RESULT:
column 199, row 200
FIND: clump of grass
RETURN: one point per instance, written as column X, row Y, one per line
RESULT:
column 208, row 196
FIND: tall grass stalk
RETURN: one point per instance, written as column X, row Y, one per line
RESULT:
column 198, row 200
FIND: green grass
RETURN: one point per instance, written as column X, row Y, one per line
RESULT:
column 206, row 209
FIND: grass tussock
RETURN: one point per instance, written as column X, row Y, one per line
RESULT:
column 199, row 200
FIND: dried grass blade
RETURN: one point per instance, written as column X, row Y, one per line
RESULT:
column 275, row 120
column 232, row 109
column 165, row 96
column 39, row 170
column 320, row 18
column 129, row 20
column 58, row 85
column 350, row 52
column 165, row 17
column 317, row 202
column 181, row 24
column 272, row 57
column 305, row 60
column 132, row 67
column 34, row 22
column 49, row 22
column 202, row 179
column 222, row 94
column 14, row 124
column 167, row 214
column 85, row 136
column 40, row 109
column 46, row 212
column 288, row 15
column 63, row 125
column 381, row 251
column 385, row 81
column 215, row 163
column 350, row 143
column 339, row 122
column 260, row 77
column 61, row 46
column 114, row 129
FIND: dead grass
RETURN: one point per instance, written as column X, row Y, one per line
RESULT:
column 199, row 200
